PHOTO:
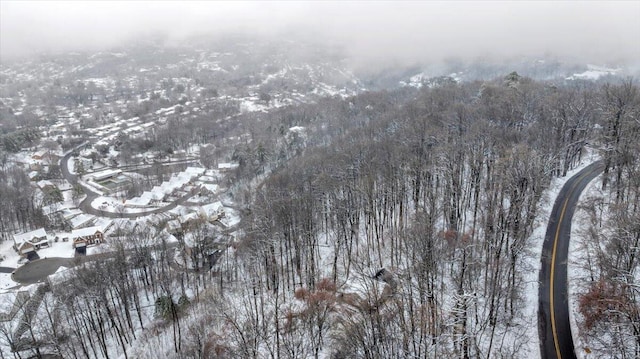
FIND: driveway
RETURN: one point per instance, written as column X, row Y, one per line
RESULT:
column 33, row 271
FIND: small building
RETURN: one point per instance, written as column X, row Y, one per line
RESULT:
column 139, row 202
column 190, row 220
column 69, row 213
column 39, row 155
column 174, row 226
column 54, row 213
column 212, row 211
column 227, row 166
column 101, row 176
column 86, row 236
column 45, row 155
column 46, row 186
column 30, row 241
column 81, row 221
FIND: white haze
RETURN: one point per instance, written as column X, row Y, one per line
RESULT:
column 604, row 32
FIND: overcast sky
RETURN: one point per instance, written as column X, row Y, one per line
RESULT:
column 594, row 31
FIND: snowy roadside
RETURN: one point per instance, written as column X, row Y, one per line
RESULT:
column 533, row 262
column 578, row 275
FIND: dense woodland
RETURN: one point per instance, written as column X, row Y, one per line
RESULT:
column 441, row 188
column 391, row 224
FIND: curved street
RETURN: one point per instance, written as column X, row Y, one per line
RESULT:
column 85, row 204
column 36, row 270
column 39, row 269
column 554, row 327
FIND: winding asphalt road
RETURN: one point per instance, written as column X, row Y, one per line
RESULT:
column 554, row 328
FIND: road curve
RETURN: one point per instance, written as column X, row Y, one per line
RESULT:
column 554, row 328
column 39, row 269
column 86, row 207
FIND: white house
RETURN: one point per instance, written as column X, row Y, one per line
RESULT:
column 105, row 174
column 81, row 221
column 30, row 241
column 143, row 201
column 212, row 211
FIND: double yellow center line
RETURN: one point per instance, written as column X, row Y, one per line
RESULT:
column 554, row 330
column 551, row 282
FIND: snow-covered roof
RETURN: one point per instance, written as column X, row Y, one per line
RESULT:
column 212, row 209
column 106, row 174
column 45, row 183
column 227, row 166
column 173, row 224
column 81, row 220
column 211, row 187
column 188, row 217
column 53, row 208
column 82, row 232
column 207, row 178
column 103, row 222
column 194, row 170
column 297, row 129
column 138, row 201
column 22, row 237
column 68, row 214
column 40, row 153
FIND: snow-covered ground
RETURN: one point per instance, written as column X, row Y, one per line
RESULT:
column 577, row 274
column 11, row 258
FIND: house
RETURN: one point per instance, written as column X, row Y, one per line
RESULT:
column 105, row 223
column 68, row 213
column 86, row 236
column 227, row 166
column 53, row 208
column 212, row 211
column 54, row 213
column 173, row 226
column 145, row 199
column 45, row 155
column 39, row 155
column 30, row 241
column 101, row 176
column 190, row 220
column 81, row 221
column 139, row 202
column 46, row 186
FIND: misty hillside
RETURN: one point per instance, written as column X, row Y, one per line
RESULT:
column 264, row 201
column 319, row 180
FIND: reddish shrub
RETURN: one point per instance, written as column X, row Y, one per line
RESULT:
column 326, row 285
column 601, row 302
column 301, row 293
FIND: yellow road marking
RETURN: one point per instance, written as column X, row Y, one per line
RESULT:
column 553, row 266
